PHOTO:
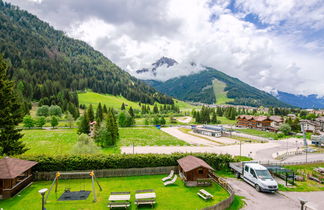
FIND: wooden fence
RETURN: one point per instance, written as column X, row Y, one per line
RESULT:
column 40, row 176
column 227, row 202
column 276, row 163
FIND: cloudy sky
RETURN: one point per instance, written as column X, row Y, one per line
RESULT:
column 270, row 44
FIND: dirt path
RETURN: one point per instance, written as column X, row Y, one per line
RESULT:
column 184, row 119
column 188, row 138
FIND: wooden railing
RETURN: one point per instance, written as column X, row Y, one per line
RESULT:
column 7, row 193
column 227, row 202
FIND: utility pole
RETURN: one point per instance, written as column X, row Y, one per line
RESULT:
column 305, row 140
column 240, row 148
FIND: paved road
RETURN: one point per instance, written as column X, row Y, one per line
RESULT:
column 264, row 201
column 315, row 199
column 302, row 158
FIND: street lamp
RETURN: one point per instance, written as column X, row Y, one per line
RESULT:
column 42, row 192
column 302, row 203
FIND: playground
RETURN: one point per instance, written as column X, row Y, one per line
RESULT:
column 175, row 196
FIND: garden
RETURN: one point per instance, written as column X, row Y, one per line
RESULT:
column 171, row 197
column 309, row 177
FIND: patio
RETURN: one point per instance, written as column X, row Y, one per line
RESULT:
column 172, row 197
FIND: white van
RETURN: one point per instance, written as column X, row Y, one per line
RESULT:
column 256, row 175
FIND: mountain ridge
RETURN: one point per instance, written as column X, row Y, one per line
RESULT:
column 45, row 61
column 198, row 88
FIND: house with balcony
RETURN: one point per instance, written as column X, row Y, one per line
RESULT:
column 15, row 175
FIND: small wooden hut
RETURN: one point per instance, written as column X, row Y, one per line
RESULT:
column 194, row 171
column 15, row 175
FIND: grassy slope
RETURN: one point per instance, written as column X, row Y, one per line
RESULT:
column 110, row 100
column 220, row 94
column 142, row 136
column 171, row 197
column 116, row 101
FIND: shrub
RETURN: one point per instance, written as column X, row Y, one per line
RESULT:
column 43, row 111
column 102, row 161
column 55, row 110
column 28, row 121
column 85, row 145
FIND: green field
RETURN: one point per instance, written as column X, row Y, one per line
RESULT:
column 224, row 120
column 220, row 94
column 259, row 133
column 150, row 136
column 52, row 142
column 61, row 141
column 172, row 197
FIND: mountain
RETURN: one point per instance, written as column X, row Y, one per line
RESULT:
column 210, row 86
column 44, row 62
column 310, row 101
column 164, row 61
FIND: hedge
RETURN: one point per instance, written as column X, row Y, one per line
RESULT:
column 95, row 162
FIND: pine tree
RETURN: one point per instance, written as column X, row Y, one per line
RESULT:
column 123, row 106
column 84, row 126
column 99, row 113
column 10, row 115
column 131, row 112
column 155, row 109
column 105, row 110
column 90, row 113
column 214, row 117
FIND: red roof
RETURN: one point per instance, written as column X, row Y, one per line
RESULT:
column 190, row 163
column 10, row 168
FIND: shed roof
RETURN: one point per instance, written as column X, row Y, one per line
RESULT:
column 190, row 163
column 10, row 168
column 276, row 118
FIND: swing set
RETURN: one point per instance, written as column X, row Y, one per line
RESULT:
column 74, row 195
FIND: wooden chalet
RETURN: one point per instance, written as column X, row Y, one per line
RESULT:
column 15, row 175
column 194, row 171
column 260, row 122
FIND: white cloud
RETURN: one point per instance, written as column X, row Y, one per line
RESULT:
column 134, row 34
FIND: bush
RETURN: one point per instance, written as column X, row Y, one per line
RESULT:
column 43, row 111
column 28, row 121
column 85, row 145
column 55, row 110
column 102, row 161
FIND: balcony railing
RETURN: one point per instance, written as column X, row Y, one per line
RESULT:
column 7, row 193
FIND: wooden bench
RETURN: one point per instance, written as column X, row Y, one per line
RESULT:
column 145, row 202
column 119, row 205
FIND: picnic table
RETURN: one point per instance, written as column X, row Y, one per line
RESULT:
column 119, row 197
column 204, row 194
column 145, row 195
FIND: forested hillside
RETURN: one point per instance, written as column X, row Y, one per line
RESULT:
column 199, row 88
column 47, row 65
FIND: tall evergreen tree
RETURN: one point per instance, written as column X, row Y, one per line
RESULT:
column 105, row 110
column 214, row 117
column 122, row 106
column 84, row 126
column 155, row 109
column 99, row 113
column 10, row 115
column 131, row 112
column 90, row 113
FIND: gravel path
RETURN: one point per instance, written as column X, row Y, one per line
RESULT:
column 184, row 119
column 188, row 138
column 246, row 149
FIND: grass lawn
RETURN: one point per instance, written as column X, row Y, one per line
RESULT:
column 224, row 120
column 172, row 197
column 150, row 136
column 260, row 133
column 220, row 94
column 308, row 185
column 54, row 142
